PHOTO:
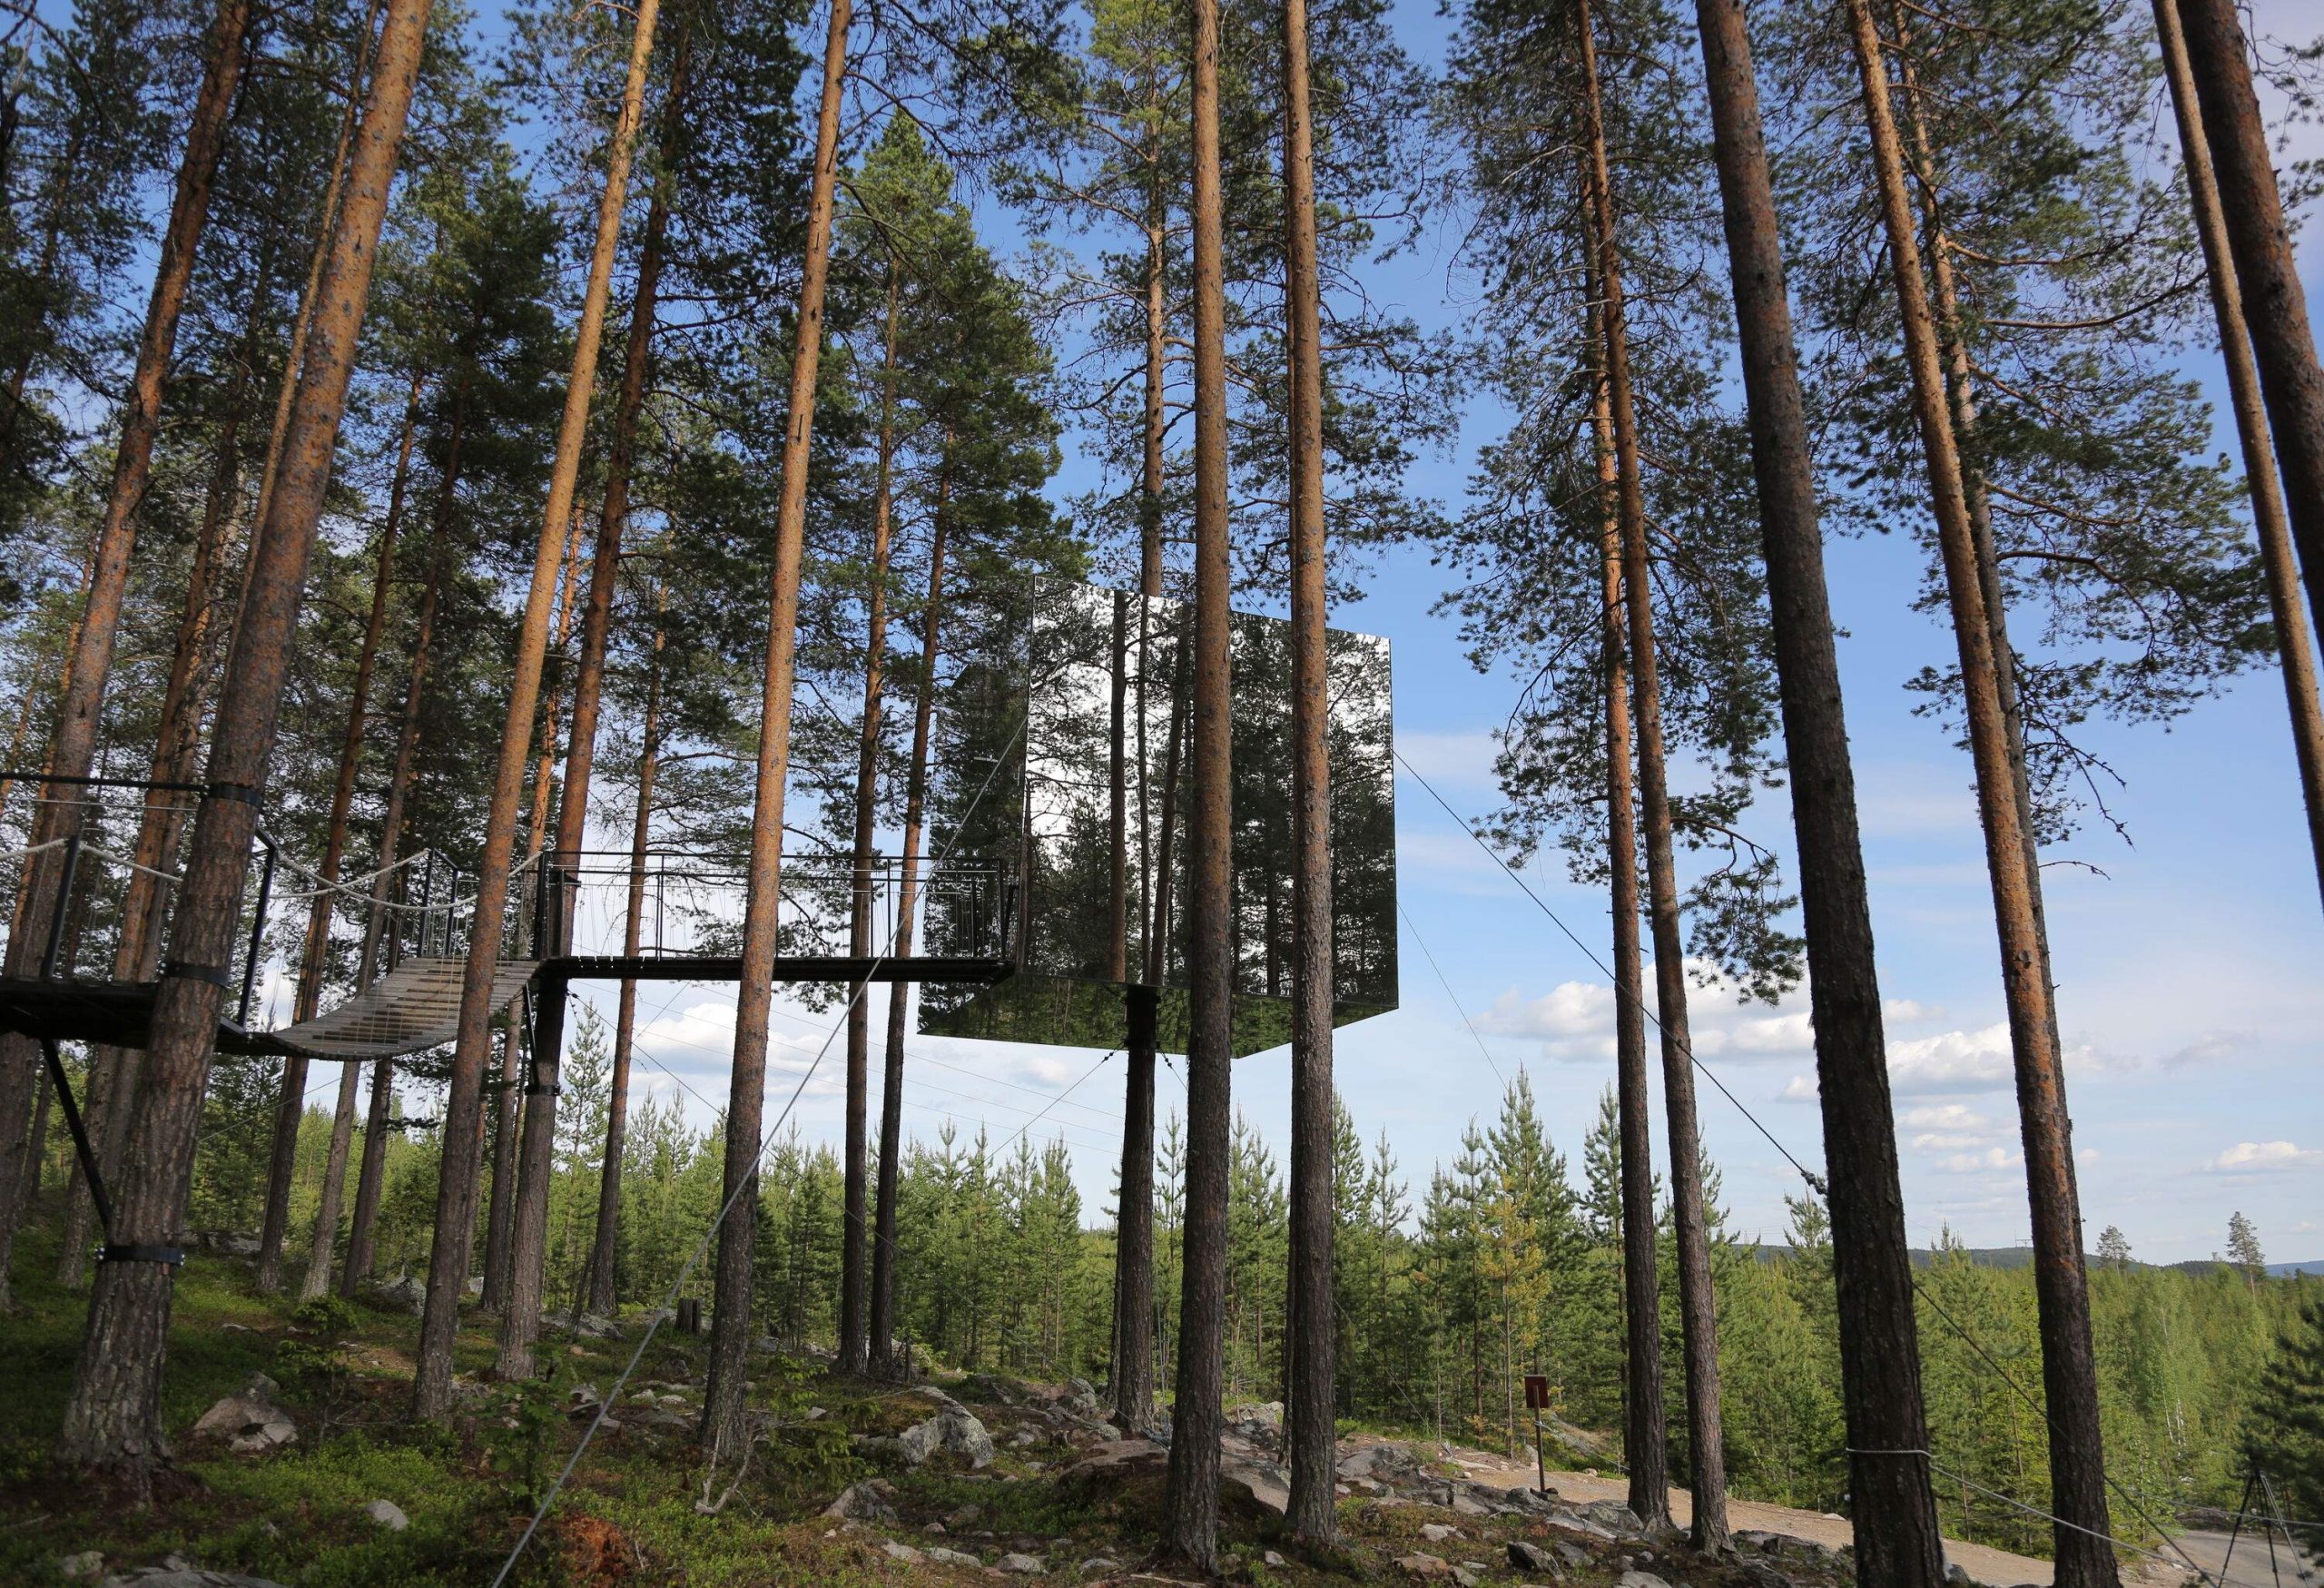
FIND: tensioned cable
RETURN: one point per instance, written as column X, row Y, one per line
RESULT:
column 1052, row 1098
column 1441, row 981
column 945, row 1112
column 1054, row 1101
column 1815, row 1181
column 1940, row 1469
column 766, row 1137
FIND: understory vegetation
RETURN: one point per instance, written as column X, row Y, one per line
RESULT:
column 1449, row 1289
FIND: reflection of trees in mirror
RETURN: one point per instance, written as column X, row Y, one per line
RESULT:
column 1055, row 674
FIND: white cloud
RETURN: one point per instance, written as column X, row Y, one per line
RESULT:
column 1574, row 1020
column 1944, row 1117
column 1951, row 1061
column 2261, row 1157
column 1569, row 1010
column 1967, row 1163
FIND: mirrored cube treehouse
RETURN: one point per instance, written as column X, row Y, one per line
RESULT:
column 1065, row 744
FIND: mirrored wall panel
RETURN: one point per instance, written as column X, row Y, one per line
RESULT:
column 1063, row 755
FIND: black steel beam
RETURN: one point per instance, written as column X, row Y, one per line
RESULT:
column 789, row 968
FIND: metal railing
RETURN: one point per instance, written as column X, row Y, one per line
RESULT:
column 106, row 891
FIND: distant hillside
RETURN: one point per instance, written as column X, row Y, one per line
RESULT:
column 2019, row 1257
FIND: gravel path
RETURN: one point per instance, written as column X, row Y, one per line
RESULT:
column 1996, row 1567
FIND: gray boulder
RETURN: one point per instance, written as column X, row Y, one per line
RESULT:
column 1017, row 1565
column 951, row 1557
column 1615, row 1516
column 388, row 1514
column 864, row 1502
column 1528, row 1556
column 250, row 1421
column 405, row 1293
column 955, row 1429
column 1258, row 1483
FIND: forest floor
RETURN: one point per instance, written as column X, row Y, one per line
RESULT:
column 1981, row 1561
column 842, row 1488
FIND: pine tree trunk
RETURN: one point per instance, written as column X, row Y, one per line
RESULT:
column 515, row 1252
column 525, row 1285
column 1644, row 1445
column 1311, row 1436
column 2077, row 1467
column 74, row 738
column 604, row 1293
column 1189, row 1533
column 137, row 953
column 884, row 1251
column 2267, row 274
column 371, row 1181
column 114, row 1418
column 1642, row 1429
column 505, row 1113
column 2293, row 640
column 290, row 1102
column 1132, row 1375
column 1698, row 1306
column 463, row 1110
column 724, row 1432
column 316, row 1283
column 864, row 1342
column 596, row 625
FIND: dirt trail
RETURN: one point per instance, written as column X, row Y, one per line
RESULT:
column 1988, row 1566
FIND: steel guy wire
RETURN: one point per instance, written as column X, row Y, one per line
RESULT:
column 743, row 1182
column 1815, row 1182
column 1967, row 1483
column 1441, row 981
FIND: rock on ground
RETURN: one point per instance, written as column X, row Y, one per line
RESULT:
column 864, row 1502
column 951, row 1557
column 388, row 1514
column 1017, row 1565
column 955, row 1428
column 249, row 1421
column 407, row 1294
column 1527, row 1556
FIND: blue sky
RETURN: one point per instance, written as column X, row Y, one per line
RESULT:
column 2188, row 997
